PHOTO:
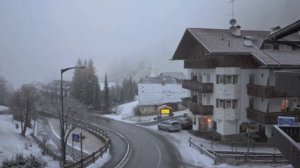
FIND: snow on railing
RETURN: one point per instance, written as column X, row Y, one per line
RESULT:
column 94, row 130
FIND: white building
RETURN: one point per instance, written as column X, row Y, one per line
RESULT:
column 156, row 91
column 228, row 87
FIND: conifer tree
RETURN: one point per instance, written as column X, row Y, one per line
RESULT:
column 107, row 100
column 85, row 85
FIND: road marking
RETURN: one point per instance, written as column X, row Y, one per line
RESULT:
column 128, row 153
column 159, row 154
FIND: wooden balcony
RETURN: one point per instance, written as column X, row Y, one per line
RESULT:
column 264, row 91
column 201, row 109
column 268, row 117
column 196, row 86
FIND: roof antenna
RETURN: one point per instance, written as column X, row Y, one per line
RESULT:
column 232, row 9
column 232, row 20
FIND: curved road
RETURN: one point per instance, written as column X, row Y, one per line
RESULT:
column 148, row 149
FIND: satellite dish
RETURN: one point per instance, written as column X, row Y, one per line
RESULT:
column 232, row 22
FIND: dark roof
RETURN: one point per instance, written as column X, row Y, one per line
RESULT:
column 221, row 41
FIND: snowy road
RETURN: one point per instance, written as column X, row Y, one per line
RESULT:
column 148, row 148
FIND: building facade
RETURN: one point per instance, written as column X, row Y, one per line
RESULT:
column 229, row 89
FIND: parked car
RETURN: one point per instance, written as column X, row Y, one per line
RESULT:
column 186, row 122
column 169, row 125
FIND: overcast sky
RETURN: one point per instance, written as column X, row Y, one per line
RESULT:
column 38, row 37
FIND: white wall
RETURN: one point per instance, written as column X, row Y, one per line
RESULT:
column 156, row 94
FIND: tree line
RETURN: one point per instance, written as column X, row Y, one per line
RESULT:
column 85, row 94
column 86, row 89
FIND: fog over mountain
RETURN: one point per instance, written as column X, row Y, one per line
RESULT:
column 123, row 37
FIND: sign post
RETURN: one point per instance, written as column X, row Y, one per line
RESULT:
column 75, row 138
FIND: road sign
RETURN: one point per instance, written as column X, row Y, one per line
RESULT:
column 75, row 137
column 283, row 120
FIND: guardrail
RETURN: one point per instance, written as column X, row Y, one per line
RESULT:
column 99, row 132
column 204, row 151
column 285, row 140
column 236, row 158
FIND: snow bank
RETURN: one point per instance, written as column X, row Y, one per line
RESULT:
column 123, row 111
column 194, row 158
column 11, row 142
column 2, row 108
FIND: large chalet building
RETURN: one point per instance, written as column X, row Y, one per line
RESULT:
column 231, row 77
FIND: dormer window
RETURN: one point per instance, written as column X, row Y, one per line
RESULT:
column 285, row 47
column 268, row 46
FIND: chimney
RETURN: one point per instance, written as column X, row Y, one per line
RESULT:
column 235, row 30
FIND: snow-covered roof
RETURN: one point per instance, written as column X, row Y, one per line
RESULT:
column 221, row 42
column 177, row 75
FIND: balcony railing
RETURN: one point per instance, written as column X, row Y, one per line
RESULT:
column 197, row 86
column 268, row 117
column 201, row 109
column 264, row 91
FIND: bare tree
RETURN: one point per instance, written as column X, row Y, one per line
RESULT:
column 72, row 109
column 23, row 106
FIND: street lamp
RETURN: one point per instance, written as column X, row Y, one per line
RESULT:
column 62, row 117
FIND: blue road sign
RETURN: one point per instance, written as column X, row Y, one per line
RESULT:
column 75, row 137
column 283, row 120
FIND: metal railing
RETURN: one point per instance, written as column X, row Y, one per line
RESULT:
column 204, row 151
column 284, row 138
column 239, row 157
column 268, row 117
column 99, row 132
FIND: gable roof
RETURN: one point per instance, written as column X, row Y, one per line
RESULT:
column 222, row 42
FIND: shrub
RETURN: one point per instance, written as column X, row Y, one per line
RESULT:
column 20, row 161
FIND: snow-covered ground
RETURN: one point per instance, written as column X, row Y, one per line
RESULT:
column 2, row 108
column 190, row 155
column 90, row 144
column 123, row 111
column 12, row 143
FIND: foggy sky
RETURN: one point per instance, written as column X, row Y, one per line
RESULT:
column 39, row 37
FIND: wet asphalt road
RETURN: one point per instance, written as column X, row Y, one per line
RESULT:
column 148, row 149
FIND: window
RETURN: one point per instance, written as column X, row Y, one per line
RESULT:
column 268, row 46
column 208, row 78
column 221, row 78
column 228, row 104
column 234, row 104
column 222, row 104
column 234, row 80
column 226, row 79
